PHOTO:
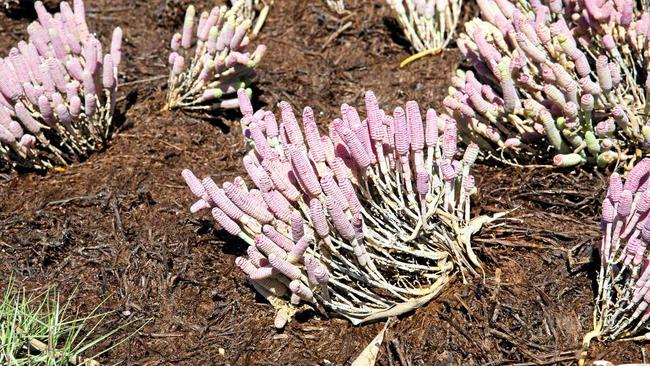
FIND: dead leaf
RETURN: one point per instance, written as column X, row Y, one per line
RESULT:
column 368, row 356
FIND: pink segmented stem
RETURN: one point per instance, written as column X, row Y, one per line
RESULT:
column 480, row 104
column 271, row 125
column 303, row 170
column 316, row 273
column 632, row 247
column 431, row 130
column 57, row 43
column 318, row 218
column 199, row 205
column 328, row 148
column 44, row 17
column 297, row 226
column 19, row 65
column 226, row 222
column 414, row 120
column 375, row 122
column 201, row 30
column 268, row 247
column 278, row 205
column 331, row 188
column 45, row 108
column 389, row 122
column 339, row 220
column 356, row 148
column 6, row 136
column 450, row 139
column 245, row 105
column 284, row 267
column 257, row 259
column 258, row 175
column 193, row 183
column 27, row 140
column 26, row 118
column 32, row 92
column 448, row 172
column 341, row 171
column 291, row 124
column 301, row 246
column 643, row 205
column 116, row 46
column 280, row 240
column 218, row 196
column 246, row 203
column 510, row 95
column 350, row 116
column 363, row 134
column 108, row 74
column 422, row 182
column 471, row 154
column 486, row 50
column 316, row 149
column 637, row 174
column 188, row 26
column 604, row 73
column 401, row 131
column 615, row 187
column 350, row 195
column 15, row 128
column 280, row 179
column 261, row 143
column 608, row 212
column 302, row 291
column 263, row 273
column 625, row 204
column 357, row 224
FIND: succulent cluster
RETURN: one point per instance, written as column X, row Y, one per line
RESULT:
column 622, row 309
column 369, row 221
column 336, row 5
column 428, row 24
column 210, row 60
column 57, row 91
column 569, row 76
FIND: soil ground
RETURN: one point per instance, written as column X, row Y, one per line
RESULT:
column 116, row 228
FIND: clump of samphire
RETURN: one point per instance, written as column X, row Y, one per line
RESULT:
column 622, row 308
column 369, row 221
column 57, row 91
column 568, row 78
column 210, row 60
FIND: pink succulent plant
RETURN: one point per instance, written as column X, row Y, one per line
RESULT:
column 371, row 216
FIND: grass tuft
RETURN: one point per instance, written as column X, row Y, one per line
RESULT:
column 38, row 329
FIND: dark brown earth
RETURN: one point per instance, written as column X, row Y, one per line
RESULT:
column 116, row 228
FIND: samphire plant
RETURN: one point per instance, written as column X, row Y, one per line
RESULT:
column 368, row 221
column 57, row 91
column 621, row 306
column 563, row 78
column 210, row 60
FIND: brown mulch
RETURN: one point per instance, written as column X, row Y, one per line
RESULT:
column 116, row 228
